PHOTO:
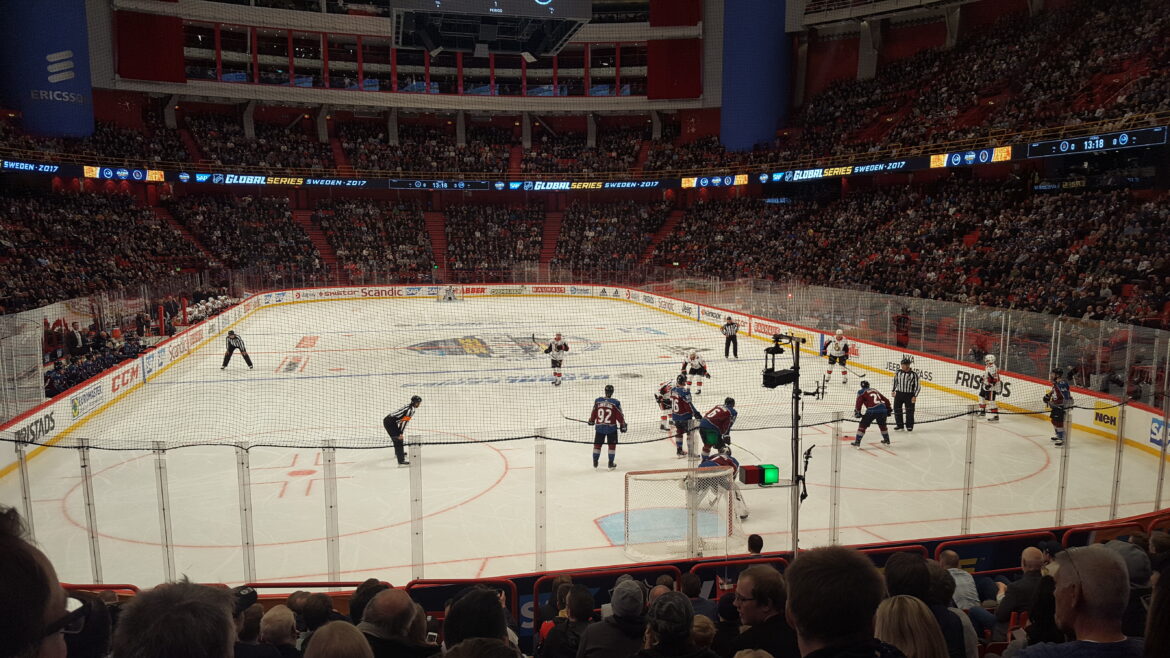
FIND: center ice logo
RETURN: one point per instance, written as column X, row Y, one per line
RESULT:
column 498, row 346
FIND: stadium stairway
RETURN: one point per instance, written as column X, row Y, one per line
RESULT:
column 640, row 162
column 304, row 219
column 667, row 227
column 191, row 145
column 343, row 165
column 515, row 158
column 436, row 223
column 552, row 233
column 166, row 216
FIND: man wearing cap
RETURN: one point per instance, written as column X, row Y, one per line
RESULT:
column 668, row 629
column 760, row 596
column 621, row 633
column 906, row 389
column 395, row 425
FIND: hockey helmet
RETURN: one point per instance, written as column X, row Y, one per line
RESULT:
column 989, row 359
column 864, row 384
column 608, row 390
column 415, row 400
column 1058, row 373
column 681, row 380
column 693, row 354
column 840, row 333
column 729, row 402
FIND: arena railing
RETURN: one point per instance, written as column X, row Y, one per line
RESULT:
column 823, row 160
column 1125, row 430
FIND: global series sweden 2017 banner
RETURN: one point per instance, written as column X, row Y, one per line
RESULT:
column 46, row 66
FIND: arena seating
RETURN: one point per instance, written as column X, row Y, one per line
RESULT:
column 370, row 236
column 247, row 231
column 492, row 238
column 110, row 142
column 59, row 246
column 221, row 139
column 607, row 236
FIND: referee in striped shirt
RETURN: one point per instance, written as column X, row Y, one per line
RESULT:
column 906, row 389
column 731, row 342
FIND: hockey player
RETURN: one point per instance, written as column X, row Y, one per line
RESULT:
column 990, row 389
column 1059, row 400
column 234, row 342
column 837, row 350
column 724, row 459
column 715, row 427
column 557, row 350
column 695, row 367
column 682, row 413
column 608, row 419
column 877, row 407
column 395, row 425
column 448, row 294
column 662, row 398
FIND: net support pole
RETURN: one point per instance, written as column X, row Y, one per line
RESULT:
column 835, row 481
column 247, row 540
column 25, row 489
column 332, row 533
column 960, row 336
column 1007, row 340
column 416, row 511
column 1062, row 485
column 969, row 469
column 95, row 553
column 1165, row 434
column 1115, row 496
column 166, row 536
column 541, row 518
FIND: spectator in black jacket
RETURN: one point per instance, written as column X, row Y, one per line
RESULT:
column 621, row 633
column 386, row 623
column 565, row 636
column 907, row 573
column 760, row 597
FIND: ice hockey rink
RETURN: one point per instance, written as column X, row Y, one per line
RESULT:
column 332, row 370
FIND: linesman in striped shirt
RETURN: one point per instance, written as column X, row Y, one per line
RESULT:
column 731, row 343
column 395, row 425
column 906, row 390
column 234, row 342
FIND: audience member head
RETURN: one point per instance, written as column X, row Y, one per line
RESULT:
column 627, row 599
column 33, row 599
column 833, row 593
column 362, row 595
column 727, row 609
column 906, row 622
column 278, row 626
column 580, row 603
column 178, row 620
column 562, row 596
column 655, row 592
column 1092, row 589
column 690, row 584
column 1031, row 559
column 93, row 640
column 703, row 631
column 669, row 620
column 476, row 613
column 755, row 544
column 390, row 612
column 906, row 573
column 483, row 647
column 418, row 626
column 666, row 580
column 249, row 632
column 338, row 639
column 296, row 601
column 759, row 594
column 316, row 610
column 942, row 585
column 1137, row 561
column 752, row 653
column 949, row 559
column 1158, row 618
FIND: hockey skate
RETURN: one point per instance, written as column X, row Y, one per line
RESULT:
column 856, row 444
column 885, row 442
column 664, row 426
column 680, row 453
column 403, row 464
column 844, row 380
column 994, row 418
column 613, row 466
column 1058, row 442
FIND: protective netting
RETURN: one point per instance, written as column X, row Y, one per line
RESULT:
column 677, row 513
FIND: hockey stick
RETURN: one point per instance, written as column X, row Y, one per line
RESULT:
column 575, row 420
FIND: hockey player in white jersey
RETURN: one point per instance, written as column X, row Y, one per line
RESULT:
column 837, row 350
column 990, row 389
column 557, row 350
column 695, row 368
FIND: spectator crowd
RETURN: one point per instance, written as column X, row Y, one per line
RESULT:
column 490, row 238
column 247, row 231
column 371, row 236
column 607, row 236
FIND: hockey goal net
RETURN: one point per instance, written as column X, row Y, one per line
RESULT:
column 450, row 294
column 679, row 513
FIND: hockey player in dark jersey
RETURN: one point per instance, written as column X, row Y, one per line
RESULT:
column 877, row 407
column 395, row 425
column 1059, row 400
column 557, row 350
column 608, row 419
column 234, row 342
column 682, row 413
column 662, row 399
column 715, row 427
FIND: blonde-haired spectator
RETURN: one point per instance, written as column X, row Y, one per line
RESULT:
column 338, row 639
column 906, row 622
column 703, row 631
column 752, row 653
column 278, row 628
